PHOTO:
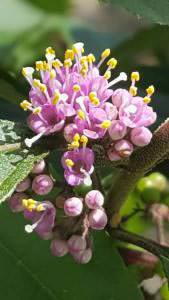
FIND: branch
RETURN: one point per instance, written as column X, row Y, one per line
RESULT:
column 141, row 161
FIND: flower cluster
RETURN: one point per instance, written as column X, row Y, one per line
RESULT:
column 49, row 224
column 74, row 97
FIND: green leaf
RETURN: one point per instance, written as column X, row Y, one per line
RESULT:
column 152, row 10
column 11, row 132
column 56, row 7
column 30, row 271
column 16, row 174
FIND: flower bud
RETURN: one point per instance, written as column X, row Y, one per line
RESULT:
column 97, row 219
column 141, row 136
column 69, row 132
column 83, row 257
column 23, row 185
column 124, row 148
column 59, row 248
column 94, row 199
column 73, row 207
column 76, row 243
column 113, row 155
column 144, row 183
column 120, row 97
column 39, row 167
column 15, row 202
column 117, row 130
column 42, row 184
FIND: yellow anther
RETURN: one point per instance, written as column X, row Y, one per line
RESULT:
column 135, row 76
column 78, row 48
column 91, row 58
column 39, row 66
column 95, row 101
column 37, row 110
column 25, row 105
column 84, row 139
column 57, row 63
column 112, row 62
column 76, row 88
column 147, row 99
column 69, row 54
column 105, row 124
column 133, row 90
column 83, row 71
column 40, row 208
column 76, row 137
column 69, row 163
column 36, row 83
column 52, row 74
column 150, row 90
column 24, row 202
column 31, row 201
column 107, row 75
column 43, row 88
column 74, row 145
column 46, row 66
column 105, row 53
column 83, row 60
column 81, row 114
column 67, row 63
column 56, row 97
column 92, row 95
column 28, row 71
column 50, row 50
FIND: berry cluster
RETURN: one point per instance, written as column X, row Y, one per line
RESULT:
column 75, row 97
column 88, row 213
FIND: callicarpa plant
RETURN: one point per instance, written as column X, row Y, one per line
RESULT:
column 77, row 116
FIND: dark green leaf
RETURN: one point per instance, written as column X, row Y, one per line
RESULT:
column 152, row 10
column 32, row 272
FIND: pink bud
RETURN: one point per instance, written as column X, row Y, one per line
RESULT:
column 117, row 130
column 42, row 184
column 113, row 155
column 15, row 202
column 73, row 207
column 94, row 199
column 23, row 185
column 124, row 148
column 59, row 248
column 39, row 167
column 97, row 219
column 121, row 97
column 69, row 132
column 83, row 257
column 76, row 243
column 141, row 136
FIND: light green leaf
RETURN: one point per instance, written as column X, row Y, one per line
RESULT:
column 152, row 10
column 31, row 272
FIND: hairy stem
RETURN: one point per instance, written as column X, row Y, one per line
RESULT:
column 142, row 161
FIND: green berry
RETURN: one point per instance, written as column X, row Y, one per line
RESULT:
column 159, row 181
column 151, row 195
column 144, row 183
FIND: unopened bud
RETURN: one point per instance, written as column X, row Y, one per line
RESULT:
column 94, row 199
column 73, row 207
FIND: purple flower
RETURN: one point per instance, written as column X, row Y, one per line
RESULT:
column 78, row 165
column 42, row 215
column 136, row 113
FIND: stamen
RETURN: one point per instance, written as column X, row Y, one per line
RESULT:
column 69, row 54
column 84, row 140
column 56, row 98
column 67, row 63
column 76, row 88
column 150, row 90
column 81, row 114
column 135, row 76
column 30, row 142
column 52, row 74
column 105, row 124
column 39, row 65
column 50, row 53
column 37, row 110
column 57, row 63
column 74, row 145
column 76, row 137
column 133, row 90
column 78, row 48
column 112, row 62
column 40, row 208
column 69, row 163
column 28, row 71
column 104, row 55
column 91, row 58
column 121, row 77
column 107, row 75
column 25, row 105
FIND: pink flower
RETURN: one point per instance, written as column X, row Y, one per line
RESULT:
column 141, row 136
column 78, row 165
column 73, row 207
